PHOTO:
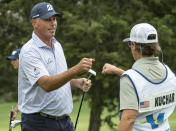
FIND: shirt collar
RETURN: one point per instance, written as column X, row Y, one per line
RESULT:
column 145, row 60
column 40, row 43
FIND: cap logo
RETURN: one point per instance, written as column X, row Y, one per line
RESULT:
column 49, row 7
column 14, row 52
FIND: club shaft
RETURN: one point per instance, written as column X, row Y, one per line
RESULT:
column 11, row 115
column 89, row 76
column 81, row 104
column 79, row 109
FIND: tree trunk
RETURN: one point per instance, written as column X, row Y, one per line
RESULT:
column 95, row 119
column 96, row 109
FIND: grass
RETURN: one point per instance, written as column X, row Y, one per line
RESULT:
column 83, row 122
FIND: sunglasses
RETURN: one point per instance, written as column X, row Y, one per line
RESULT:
column 130, row 43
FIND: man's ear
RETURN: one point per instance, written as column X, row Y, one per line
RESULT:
column 134, row 46
column 34, row 22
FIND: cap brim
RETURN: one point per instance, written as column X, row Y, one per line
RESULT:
column 126, row 40
column 50, row 14
column 12, row 58
column 58, row 15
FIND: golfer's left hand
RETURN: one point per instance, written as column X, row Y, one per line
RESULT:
column 15, row 113
column 85, row 84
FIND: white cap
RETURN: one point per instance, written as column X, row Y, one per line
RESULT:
column 140, row 34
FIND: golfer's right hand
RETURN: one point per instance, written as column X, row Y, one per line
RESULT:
column 84, row 65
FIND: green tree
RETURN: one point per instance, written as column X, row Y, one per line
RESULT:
column 90, row 28
column 12, row 32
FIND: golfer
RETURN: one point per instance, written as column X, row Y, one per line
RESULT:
column 148, row 89
column 44, row 82
column 14, row 58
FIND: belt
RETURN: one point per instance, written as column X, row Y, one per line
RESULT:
column 52, row 117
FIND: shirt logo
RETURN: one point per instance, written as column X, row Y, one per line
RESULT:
column 49, row 61
column 153, row 121
column 36, row 71
column 49, row 7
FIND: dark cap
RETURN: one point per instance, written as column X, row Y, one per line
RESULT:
column 43, row 10
column 14, row 55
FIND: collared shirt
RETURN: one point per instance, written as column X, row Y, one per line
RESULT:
column 156, row 100
column 152, row 68
column 37, row 60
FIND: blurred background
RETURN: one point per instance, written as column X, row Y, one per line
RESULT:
column 89, row 28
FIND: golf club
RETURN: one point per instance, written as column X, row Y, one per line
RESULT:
column 15, row 123
column 92, row 72
column 11, row 115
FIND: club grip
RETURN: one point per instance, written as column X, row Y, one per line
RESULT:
column 11, row 115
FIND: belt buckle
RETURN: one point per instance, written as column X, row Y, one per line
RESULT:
column 43, row 114
column 58, row 118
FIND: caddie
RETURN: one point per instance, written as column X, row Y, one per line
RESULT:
column 148, row 89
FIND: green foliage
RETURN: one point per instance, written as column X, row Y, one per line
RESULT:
column 89, row 28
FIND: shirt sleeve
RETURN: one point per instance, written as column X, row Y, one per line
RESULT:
column 128, row 98
column 33, row 67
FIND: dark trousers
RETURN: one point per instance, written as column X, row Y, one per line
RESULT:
column 36, row 122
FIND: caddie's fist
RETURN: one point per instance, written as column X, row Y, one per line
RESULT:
column 108, row 69
column 111, row 69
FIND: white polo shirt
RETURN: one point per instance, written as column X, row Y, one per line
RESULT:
column 37, row 60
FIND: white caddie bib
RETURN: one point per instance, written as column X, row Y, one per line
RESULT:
column 156, row 100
